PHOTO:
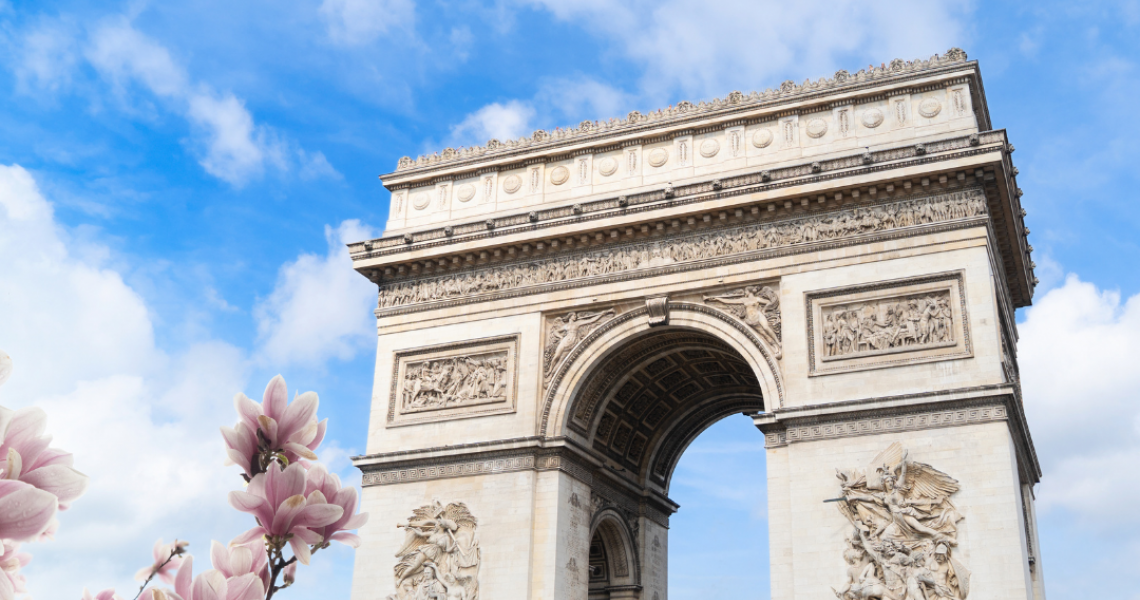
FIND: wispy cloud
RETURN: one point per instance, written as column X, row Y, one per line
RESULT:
column 319, row 307
column 356, row 22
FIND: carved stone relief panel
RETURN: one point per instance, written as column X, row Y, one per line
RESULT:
column 440, row 558
column 756, row 305
column 887, row 324
column 454, row 381
column 564, row 332
column 904, row 530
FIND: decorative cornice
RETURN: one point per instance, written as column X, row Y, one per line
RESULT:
column 685, row 110
column 763, row 180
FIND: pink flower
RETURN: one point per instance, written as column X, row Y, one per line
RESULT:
column 11, row 561
column 103, row 595
column 164, row 566
column 25, row 512
column 214, row 585
column 237, row 560
column 273, row 428
column 319, row 480
column 29, row 459
column 277, row 499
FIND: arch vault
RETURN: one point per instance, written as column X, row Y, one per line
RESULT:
column 560, row 316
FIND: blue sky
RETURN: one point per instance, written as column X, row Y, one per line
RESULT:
column 177, row 181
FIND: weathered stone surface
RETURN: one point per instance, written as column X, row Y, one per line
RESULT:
column 560, row 316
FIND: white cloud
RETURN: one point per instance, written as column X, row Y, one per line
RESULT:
column 320, row 306
column 362, row 21
column 1078, row 351
column 709, row 48
column 500, row 121
column 45, row 56
column 232, row 146
column 142, row 422
column 236, row 149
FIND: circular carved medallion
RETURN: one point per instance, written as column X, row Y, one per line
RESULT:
column 709, row 148
column 872, row 118
column 420, row 201
column 608, row 166
column 658, row 157
column 465, row 192
column 762, row 138
column 559, row 175
column 930, row 108
column 512, row 184
column 816, row 128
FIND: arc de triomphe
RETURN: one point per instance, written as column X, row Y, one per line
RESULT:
column 560, row 315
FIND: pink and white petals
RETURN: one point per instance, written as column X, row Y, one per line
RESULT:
column 11, row 561
column 25, row 512
column 103, row 595
column 319, row 480
column 27, row 457
column 274, row 430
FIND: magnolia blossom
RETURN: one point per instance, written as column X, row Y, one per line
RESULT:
column 29, row 459
column 11, row 561
column 103, row 595
column 238, row 560
column 25, row 512
column 275, row 426
column 283, row 512
column 319, row 480
column 167, row 560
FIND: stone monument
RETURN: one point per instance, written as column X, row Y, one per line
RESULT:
column 560, row 315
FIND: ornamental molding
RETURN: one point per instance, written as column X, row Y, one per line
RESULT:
column 954, row 414
column 513, row 461
column 714, row 189
column 686, row 111
column 687, row 251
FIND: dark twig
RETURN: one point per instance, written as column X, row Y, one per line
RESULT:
column 175, row 551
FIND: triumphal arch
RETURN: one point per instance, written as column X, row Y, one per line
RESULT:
column 560, row 315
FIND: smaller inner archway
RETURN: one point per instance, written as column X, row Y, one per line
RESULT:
column 614, row 569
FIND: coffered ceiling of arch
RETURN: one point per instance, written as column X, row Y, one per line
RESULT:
column 646, row 388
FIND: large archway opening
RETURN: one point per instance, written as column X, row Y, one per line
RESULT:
column 638, row 409
column 718, row 538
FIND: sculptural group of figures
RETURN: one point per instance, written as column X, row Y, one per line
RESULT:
column 440, row 557
column 904, row 531
column 454, row 381
column 885, row 324
column 831, row 226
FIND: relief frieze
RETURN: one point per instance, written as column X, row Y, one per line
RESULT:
column 454, row 380
column 642, row 259
column 877, row 326
column 888, row 323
